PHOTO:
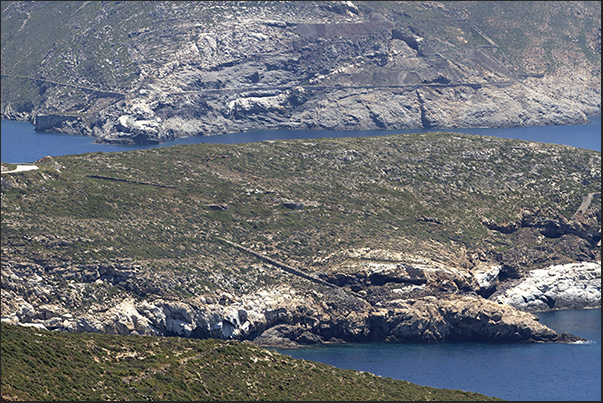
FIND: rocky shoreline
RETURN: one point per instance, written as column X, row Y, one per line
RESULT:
column 343, row 66
column 136, row 119
column 282, row 316
column 571, row 286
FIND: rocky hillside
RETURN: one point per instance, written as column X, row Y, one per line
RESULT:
column 143, row 72
column 418, row 237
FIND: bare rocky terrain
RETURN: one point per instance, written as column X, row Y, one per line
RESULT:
column 138, row 72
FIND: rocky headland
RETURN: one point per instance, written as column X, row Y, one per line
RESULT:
column 282, row 317
column 433, row 237
column 301, row 242
column 230, row 67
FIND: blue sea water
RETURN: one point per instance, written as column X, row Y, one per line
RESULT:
column 528, row 372
column 524, row 372
column 20, row 143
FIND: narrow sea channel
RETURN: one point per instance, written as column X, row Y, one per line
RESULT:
column 21, row 143
column 536, row 372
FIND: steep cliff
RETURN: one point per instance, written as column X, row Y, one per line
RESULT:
column 140, row 72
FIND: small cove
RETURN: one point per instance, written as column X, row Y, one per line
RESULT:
column 525, row 372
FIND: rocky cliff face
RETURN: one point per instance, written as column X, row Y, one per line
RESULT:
column 226, row 67
column 281, row 316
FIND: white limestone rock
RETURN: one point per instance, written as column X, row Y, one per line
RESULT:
column 570, row 286
column 486, row 276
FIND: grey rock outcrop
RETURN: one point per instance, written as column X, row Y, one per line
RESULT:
column 280, row 317
column 304, row 65
column 571, row 286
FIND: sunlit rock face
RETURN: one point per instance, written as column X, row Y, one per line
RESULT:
column 570, row 286
column 229, row 67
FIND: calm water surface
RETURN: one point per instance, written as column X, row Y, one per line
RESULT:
column 20, row 143
column 508, row 371
column 528, row 372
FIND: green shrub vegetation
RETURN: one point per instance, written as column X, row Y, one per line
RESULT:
column 363, row 192
column 44, row 365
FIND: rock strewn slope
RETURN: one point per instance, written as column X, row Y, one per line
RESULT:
column 166, row 70
column 404, row 237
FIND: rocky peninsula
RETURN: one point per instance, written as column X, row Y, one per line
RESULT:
column 428, row 237
column 431, row 237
